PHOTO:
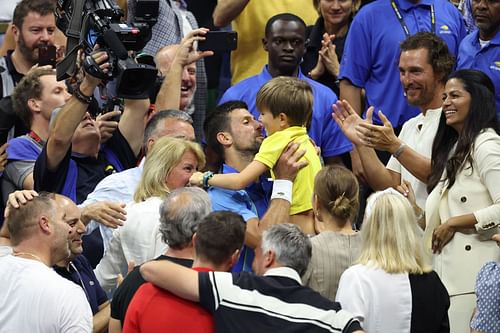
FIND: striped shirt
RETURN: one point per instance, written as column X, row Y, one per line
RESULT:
column 275, row 302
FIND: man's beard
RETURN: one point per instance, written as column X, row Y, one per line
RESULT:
column 27, row 52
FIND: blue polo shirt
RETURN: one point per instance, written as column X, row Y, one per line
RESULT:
column 487, row 59
column 250, row 203
column 84, row 277
column 371, row 52
column 324, row 131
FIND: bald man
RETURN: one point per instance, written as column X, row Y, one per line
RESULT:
column 33, row 298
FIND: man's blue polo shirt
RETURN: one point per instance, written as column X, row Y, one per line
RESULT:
column 487, row 59
column 250, row 203
column 84, row 277
column 371, row 52
column 324, row 131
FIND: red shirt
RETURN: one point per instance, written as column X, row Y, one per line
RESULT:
column 156, row 310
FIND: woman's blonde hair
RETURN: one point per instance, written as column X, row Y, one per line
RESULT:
column 390, row 235
column 166, row 153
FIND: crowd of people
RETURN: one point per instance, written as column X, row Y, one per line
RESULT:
column 337, row 172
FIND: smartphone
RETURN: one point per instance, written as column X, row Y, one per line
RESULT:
column 46, row 55
column 219, row 41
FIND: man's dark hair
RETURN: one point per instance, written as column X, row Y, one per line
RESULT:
column 42, row 7
column 283, row 17
column 440, row 58
column 219, row 235
column 218, row 121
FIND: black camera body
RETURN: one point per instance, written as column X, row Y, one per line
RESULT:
column 100, row 22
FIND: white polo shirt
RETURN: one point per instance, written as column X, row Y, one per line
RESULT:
column 418, row 133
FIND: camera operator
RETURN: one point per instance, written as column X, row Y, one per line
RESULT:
column 73, row 160
column 175, row 21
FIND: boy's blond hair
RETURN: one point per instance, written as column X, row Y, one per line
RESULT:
column 287, row 95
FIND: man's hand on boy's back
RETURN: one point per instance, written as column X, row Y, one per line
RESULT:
column 289, row 162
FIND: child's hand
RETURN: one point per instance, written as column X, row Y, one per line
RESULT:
column 196, row 179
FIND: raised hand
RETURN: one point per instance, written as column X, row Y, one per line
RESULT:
column 348, row 120
column 328, row 55
column 107, row 125
column 380, row 137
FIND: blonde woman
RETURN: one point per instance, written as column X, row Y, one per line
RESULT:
column 392, row 288
column 169, row 165
column 335, row 205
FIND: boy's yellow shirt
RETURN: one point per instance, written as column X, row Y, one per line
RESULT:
column 303, row 186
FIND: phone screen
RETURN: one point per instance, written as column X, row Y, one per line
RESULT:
column 91, row 38
column 46, row 55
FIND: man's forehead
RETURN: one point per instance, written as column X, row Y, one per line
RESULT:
column 66, row 208
column 34, row 19
column 51, row 79
column 416, row 57
column 174, row 127
column 172, row 123
column 281, row 28
column 240, row 114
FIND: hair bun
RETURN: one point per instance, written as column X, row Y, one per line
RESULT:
column 341, row 207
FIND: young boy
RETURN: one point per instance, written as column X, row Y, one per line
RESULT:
column 285, row 105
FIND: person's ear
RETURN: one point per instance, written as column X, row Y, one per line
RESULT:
column 150, row 143
column 224, row 138
column 234, row 258
column 34, row 105
column 315, row 203
column 15, row 32
column 269, row 259
column 306, row 43
column 44, row 224
column 283, row 120
column 264, row 44
column 194, row 239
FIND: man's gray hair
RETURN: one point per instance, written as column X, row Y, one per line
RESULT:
column 290, row 245
column 158, row 117
column 180, row 213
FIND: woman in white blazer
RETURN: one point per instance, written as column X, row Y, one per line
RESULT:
column 464, row 200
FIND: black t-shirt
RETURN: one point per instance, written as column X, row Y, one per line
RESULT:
column 124, row 293
column 90, row 170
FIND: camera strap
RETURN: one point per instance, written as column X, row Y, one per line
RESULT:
column 66, row 68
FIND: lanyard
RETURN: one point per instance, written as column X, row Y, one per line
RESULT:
column 36, row 138
column 403, row 23
column 82, row 284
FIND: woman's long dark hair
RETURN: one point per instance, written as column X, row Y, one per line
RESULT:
column 482, row 115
